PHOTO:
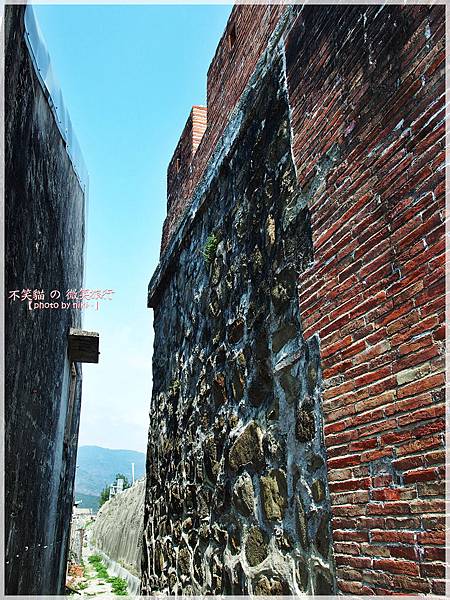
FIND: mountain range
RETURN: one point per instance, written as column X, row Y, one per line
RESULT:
column 97, row 467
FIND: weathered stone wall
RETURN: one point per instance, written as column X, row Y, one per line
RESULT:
column 118, row 528
column 237, row 496
column 366, row 96
column 44, row 216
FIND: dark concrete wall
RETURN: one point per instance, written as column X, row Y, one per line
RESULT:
column 44, row 216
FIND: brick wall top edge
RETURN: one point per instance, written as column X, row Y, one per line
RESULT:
column 231, row 19
column 186, row 129
column 228, row 74
column 180, row 227
column 197, row 117
column 180, row 163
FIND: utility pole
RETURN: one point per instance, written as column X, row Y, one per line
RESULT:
column 132, row 473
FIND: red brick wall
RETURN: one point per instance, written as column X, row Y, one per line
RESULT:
column 199, row 122
column 374, row 85
column 228, row 74
column 179, row 172
column 366, row 88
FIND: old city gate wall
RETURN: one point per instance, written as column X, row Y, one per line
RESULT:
column 299, row 305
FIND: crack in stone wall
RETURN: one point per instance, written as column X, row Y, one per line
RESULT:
column 237, row 496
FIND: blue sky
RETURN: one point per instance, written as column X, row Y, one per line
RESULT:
column 129, row 76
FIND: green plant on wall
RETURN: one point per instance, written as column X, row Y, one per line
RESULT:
column 210, row 248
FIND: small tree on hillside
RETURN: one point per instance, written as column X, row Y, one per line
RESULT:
column 126, row 483
column 104, row 494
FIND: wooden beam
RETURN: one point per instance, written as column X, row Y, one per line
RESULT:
column 83, row 346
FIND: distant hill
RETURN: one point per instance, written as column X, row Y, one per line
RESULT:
column 97, row 467
column 87, row 501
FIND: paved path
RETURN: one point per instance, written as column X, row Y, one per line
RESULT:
column 95, row 585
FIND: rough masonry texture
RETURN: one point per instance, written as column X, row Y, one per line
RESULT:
column 117, row 530
column 44, row 216
column 237, row 405
column 299, row 304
